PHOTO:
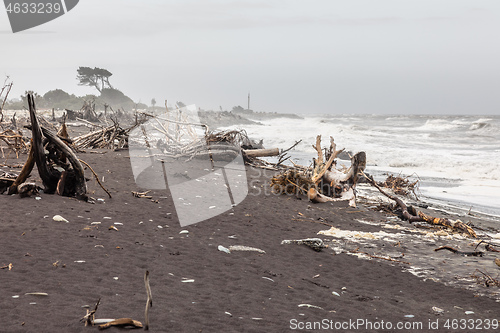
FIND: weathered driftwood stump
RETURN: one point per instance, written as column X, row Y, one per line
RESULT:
column 59, row 169
column 336, row 185
column 323, row 183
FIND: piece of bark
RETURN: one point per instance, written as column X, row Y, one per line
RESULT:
column 25, row 172
column 61, row 183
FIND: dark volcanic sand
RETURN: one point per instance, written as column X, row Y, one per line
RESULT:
column 230, row 293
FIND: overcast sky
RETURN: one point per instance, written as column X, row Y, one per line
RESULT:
column 316, row 56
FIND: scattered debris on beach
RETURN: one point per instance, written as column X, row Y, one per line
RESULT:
column 314, row 243
column 485, row 279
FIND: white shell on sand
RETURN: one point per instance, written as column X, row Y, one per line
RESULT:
column 436, row 309
column 223, row 249
column 59, row 218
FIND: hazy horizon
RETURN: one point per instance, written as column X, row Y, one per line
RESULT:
column 338, row 57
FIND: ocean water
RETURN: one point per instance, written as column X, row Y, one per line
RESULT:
column 456, row 158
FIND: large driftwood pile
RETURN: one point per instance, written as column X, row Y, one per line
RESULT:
column 322, row 182
column 111, row 137
column 174, row 136
column 87, row 112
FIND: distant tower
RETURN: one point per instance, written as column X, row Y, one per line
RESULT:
column 248, row 101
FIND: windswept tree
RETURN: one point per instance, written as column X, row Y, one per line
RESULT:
column 94, row 77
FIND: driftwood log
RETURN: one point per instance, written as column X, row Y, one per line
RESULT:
column 261, row 152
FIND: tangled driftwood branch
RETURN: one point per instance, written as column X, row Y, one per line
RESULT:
column 401, row 185
column 485, row 279
column 14, row 141
column 412, row 215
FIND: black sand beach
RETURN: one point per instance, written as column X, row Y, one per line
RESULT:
column 197, row 288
